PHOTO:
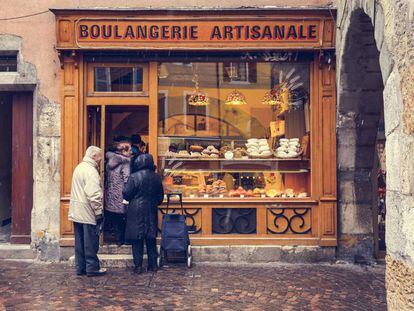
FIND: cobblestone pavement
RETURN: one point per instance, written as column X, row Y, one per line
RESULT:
column 28, row 286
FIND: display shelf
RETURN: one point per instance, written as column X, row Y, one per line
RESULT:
column 295, row 165
column 247, row 200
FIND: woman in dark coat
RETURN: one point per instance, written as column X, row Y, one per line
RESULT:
column 144, row 192
column 117, row 173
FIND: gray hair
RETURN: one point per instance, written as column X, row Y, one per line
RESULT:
column 92, row 152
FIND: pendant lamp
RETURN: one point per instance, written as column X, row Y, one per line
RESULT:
column 197, row 97
column 235, row 98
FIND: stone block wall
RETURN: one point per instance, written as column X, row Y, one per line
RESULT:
column 393, row 23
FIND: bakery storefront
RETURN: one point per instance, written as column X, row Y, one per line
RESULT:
column 237, row 108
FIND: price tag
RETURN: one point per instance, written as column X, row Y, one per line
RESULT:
column 206, row 196
column 242, row 195
column 273, row 129
column 192, row 196
column 263, row 195
column 221, row 195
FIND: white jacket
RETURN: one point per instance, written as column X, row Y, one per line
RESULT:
column 86, row 195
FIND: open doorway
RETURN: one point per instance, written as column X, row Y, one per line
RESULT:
column 122, row 124
column 5, row 167
column 107, row 126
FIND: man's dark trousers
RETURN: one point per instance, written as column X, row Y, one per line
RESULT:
column 86, row 248
column 138, row 252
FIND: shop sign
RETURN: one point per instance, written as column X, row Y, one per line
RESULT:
column 97, row 32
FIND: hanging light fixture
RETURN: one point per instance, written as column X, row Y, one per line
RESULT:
column 235, row 97
column 278, row 96
column 197, row 97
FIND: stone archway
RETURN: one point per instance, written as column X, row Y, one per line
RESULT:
column 392, row 23
column 360, row 108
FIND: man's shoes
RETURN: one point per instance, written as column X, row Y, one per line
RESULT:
column 100, row 272
column 138, row 270
column 152, row 269
column 80, row 273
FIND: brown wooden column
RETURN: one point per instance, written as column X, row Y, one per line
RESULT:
column 22, row 167
column 71, row 136
column 328, row 199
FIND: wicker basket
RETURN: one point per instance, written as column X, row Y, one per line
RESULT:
column 269, row 156
column 290, row 157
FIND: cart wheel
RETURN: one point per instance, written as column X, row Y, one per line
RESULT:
column 189, row 251
column 189, row 261
column 160, row 258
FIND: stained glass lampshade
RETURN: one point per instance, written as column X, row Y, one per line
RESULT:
column 198, row 98
column 279, row 95
column 235, row 98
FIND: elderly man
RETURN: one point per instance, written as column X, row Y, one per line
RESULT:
column 85, row 211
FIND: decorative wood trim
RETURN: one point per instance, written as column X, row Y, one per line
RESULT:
column 71, row 132
column 153, row 110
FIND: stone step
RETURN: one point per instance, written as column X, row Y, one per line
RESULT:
column 112, row 260
column 112, row 249
column 121, row 256
column 16, row 251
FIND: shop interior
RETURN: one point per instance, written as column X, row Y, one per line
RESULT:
column 232, row 129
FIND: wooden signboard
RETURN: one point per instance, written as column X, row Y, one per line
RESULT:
column 94, row 31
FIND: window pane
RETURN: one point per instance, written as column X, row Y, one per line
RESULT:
column 257, row 146
column 118, row 79
column 8, row 63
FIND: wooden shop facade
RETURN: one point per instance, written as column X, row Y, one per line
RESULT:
column 237, row 108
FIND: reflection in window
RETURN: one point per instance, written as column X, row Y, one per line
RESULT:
column 240, row 72
column 118, row 79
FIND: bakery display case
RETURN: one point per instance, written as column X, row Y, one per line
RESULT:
column 235, row 130
column 235, row 184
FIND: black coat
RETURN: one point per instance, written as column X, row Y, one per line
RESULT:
column 144, row 192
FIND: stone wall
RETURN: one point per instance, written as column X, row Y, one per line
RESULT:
column 393, row 24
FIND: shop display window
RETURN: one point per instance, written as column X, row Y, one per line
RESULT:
column 234, row 129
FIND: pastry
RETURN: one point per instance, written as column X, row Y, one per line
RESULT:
column 196, row 148
column 249, row 193
column 168, row 180
column 252, row 141
column 183, row 153
column 232, row 193
column 228, row 155
column 170, row 154
column 271, row 193
column 214, row 155
column 241, row 191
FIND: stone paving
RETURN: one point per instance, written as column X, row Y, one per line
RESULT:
column 28, row 286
